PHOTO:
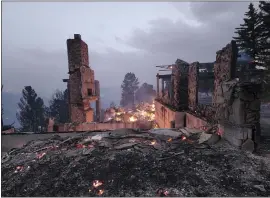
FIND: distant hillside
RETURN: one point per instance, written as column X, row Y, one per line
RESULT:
column 10, row 104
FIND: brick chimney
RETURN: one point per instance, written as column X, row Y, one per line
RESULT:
column 77, row 36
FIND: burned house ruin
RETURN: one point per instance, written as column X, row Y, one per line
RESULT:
column 235, row 109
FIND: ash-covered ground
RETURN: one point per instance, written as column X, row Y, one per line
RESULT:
column 131, row 163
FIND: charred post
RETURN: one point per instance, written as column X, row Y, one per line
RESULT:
column 98, row 102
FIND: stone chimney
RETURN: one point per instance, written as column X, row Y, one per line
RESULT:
column 77, row 36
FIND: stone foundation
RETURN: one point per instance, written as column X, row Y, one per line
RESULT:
column 236, row 135
column 165, row 116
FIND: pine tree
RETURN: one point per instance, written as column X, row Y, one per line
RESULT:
column 59, row 106
column 32, row 110
column 129, row 86
column 264, row 17
column 248, row 34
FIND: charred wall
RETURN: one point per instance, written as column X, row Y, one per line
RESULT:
column 236, row 102
column 180, row 85
column 224, row 68
column 193, row 85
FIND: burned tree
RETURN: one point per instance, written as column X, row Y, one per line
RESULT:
column 129, row 87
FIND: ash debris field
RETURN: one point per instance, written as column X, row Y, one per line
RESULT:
column 132, row 163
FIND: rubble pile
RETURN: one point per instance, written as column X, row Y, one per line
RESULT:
column 141, row 112
column 159, row 162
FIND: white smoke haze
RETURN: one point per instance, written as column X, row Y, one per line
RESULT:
column 126, row 37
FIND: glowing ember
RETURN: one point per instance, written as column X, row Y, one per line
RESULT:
column 118, row 119
column 153, row 107
column 100, row 192
column 80, row 146
column 169, row 140
column 39, row 156
column 132, row 119
column 162, row 193
column 97, row 183
column 18, row 168
column 153, row 142
column 166, row 193
column 219, row 132
column 54, row 147
column 184, row 138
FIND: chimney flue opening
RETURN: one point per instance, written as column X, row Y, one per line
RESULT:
column 77, row 36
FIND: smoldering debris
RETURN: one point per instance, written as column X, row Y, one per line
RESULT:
column 128, row 163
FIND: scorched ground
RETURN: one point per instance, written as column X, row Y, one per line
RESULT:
column 129, row 163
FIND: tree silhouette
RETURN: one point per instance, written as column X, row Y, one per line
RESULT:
column 32, row 110
column 248, row 34
column 145, row 93
column 58, row 108
column 129, row 87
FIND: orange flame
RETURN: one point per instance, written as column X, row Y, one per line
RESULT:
column 184, row 138
column 18, row 168
column 166, row 193
column 169, row 140
column 97, row 183
column 143, row 111
column 39, row 156
column 132, row 119
column 100, row 192
column 153, row 142
column 80, row 146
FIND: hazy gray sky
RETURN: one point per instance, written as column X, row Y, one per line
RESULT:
column 122, row 37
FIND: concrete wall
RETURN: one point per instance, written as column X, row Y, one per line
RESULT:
column 195, row 122
column 164, row 116
column 198, row 123
column 103, row 126
column 18, row 140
